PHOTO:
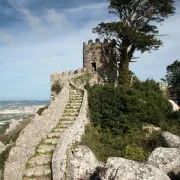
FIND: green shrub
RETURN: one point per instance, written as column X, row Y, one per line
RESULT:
column 133, row 152
column 56, row 87
column 172, row 123
column 39, row 112
column 120, row 108
column 103, row 144
column 117, row 115
column 134, row 145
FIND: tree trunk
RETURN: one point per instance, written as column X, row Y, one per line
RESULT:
column 124, row 73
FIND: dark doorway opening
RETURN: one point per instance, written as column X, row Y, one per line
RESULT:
column 93, row 66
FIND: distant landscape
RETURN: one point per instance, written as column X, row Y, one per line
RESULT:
column 18, row 110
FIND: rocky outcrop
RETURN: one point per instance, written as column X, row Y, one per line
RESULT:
column 171, row 140
column 13, row 125
column 31, row 136
column 81, row 163
column 166, row 159
column 69, row 136
column 122, row 169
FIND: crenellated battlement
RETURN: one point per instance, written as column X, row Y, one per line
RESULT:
column 97, row 42
column 68, row 73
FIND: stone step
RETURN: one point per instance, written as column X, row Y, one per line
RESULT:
column 73, row 107
column 58, row 130
column 71, row 114
column 66, row 122
column 73, row 91
column 71, row 111
column 51, row 140
column 38, row 178
column 54, row 134
column 75, row 97
column 74, row 101
column 75, row 94
column 68, row 118
column 37, row 171
column 74, row 104
column 45, row 149
column 68, row 115
column 39, row 160
column 63, row 126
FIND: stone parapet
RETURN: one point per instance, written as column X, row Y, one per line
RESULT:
column 32, row 135
column 71, row 135
column 63, row 77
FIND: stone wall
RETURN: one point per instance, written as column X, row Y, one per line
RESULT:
column 31, row 136
column 71, row 135
column 63, row 77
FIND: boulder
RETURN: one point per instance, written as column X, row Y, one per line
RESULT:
column 174, row 105
column 81, row 163
column 171, row 140
column 149, row 128
column 123, row 169
column 166, row 159
column 13, row 125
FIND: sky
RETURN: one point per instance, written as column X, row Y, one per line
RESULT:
column 40, row 37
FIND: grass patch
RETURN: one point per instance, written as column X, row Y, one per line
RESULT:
column 133, row 146
column 40, row 111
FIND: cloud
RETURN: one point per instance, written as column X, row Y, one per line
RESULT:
column 5, row 37
column 89, row 7
column 48, row 37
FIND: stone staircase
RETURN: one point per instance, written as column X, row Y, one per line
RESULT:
column 39, row 165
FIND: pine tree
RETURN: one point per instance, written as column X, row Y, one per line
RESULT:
column 135, row 29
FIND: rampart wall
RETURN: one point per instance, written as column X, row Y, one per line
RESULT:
column 32, row 135
column 69, row 136
column 65, row 76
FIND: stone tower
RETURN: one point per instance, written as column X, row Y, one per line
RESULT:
column 100, row 57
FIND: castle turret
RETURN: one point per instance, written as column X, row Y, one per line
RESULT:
column 97, row 57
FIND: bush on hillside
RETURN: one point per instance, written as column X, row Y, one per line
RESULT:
column 120, row 109
column 117, row 115
column 56, row 87
column 172, row 123
column 40, row 111
column 133, row 146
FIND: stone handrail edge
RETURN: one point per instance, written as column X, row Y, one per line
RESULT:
column 32, row 135
column 70, row 136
